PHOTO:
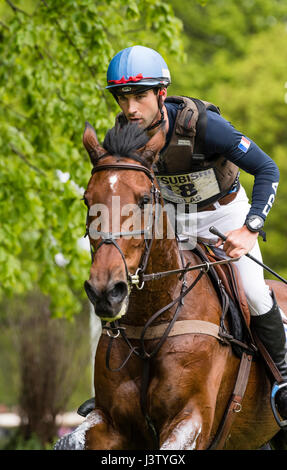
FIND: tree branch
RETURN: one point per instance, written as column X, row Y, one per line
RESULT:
column 10, row 108
column 71, row 42
column 4, row 25
column 26, row 160
column 16, row 9
column 53, row 59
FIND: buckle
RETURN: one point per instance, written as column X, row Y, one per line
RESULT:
column 276, row 387
column 135, row 279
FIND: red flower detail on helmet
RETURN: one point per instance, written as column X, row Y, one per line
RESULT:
column 130, row 79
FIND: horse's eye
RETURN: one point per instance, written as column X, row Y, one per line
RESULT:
column 143, row 201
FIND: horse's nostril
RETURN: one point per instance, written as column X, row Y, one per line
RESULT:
column 115, row 295
column 118, row 292
column 91, row 292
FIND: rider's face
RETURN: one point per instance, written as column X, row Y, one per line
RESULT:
column 141, row 108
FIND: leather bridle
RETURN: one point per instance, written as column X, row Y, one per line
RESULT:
column 110, row 237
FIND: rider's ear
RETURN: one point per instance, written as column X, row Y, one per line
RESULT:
column 91, row 143
column 149, row 153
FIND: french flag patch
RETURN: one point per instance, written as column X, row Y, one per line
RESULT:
column 244, row 144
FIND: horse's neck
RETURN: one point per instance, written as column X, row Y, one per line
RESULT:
column 164, row 256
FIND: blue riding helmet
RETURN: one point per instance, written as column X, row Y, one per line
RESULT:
column 137, row 66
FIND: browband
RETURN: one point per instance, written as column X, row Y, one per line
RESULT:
column 123, row 166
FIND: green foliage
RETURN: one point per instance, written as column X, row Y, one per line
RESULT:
column 254, row 100
column 38, row 379
column 54, row 56
column 236, row 56
column 217, row 33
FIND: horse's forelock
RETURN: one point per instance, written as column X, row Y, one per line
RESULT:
column 126, row 141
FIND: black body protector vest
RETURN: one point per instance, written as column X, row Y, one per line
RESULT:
column 185, row 174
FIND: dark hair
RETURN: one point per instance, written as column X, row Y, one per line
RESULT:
column 124, row 141
column 116, row 92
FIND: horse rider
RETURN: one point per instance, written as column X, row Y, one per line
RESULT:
column 199, row 164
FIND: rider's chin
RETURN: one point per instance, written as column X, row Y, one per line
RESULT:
column 138, row 121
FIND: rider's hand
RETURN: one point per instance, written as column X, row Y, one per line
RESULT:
column 239, row 242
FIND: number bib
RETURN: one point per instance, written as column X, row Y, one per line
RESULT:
column 189, row 188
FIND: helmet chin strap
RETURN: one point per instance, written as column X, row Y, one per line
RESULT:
column 157, row 123
column 160, row 106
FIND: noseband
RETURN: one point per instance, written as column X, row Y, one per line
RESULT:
column 110, row 237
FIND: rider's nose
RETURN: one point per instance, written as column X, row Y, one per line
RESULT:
column 132, row 109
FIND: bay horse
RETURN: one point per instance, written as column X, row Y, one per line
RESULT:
column 163, row 377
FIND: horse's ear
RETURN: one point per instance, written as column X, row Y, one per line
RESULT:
column 91, row 143
column 149, row 153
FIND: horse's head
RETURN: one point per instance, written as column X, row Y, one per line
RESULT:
column 120, row 196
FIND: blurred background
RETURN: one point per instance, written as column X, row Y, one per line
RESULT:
column 53, row 59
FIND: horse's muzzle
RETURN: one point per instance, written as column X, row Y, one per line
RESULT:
column 107, row 302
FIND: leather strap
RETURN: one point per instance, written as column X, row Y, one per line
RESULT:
column 182, row 327
column 123, row 166
column 268, row 359
column 234, row 406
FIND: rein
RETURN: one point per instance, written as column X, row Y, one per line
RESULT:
column 206, row 266
column 109, row 237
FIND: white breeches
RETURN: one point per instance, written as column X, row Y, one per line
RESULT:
column 230, row 217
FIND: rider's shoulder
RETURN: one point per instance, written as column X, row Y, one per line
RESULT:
column 217, row 121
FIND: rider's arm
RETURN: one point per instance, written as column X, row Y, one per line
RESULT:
column 222, row 138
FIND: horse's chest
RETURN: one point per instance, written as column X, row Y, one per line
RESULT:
column 123, row 400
